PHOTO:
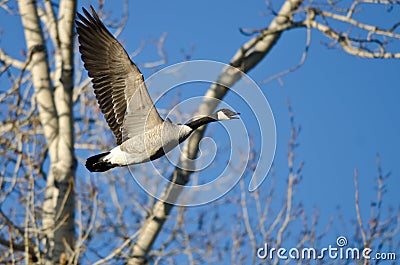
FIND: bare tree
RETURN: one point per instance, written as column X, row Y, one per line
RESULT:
column 53, row 87
column 48, row 115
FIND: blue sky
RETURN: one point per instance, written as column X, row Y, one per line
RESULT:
column 347, row 107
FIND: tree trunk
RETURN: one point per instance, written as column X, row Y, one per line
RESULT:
column 55, row 112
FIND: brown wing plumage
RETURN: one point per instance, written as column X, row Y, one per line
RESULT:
column 115, row 77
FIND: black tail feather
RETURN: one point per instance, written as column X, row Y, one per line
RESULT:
column 96, row 163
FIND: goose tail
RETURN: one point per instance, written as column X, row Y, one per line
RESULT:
column 97, row 164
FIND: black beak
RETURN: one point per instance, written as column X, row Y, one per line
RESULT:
column 234, row 116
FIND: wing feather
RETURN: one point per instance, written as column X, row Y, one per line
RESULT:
column 116, row 79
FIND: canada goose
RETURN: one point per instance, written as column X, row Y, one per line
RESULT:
column 125, row 102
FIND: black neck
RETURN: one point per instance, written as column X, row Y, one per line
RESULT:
column 200, row 122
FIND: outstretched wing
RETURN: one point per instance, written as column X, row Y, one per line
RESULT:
column 116, row 79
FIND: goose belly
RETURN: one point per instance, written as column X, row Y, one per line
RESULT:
column 149, row 146
column 123, row 158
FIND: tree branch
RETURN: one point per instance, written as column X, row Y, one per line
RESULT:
column 8, row 60
column 353, row 46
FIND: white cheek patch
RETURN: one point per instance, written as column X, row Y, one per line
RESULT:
column 221, row 116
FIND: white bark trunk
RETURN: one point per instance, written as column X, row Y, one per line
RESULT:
column 55, row 112
column 247, row 57
column 66, row 163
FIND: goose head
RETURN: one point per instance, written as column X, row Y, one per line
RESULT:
column 225, row 114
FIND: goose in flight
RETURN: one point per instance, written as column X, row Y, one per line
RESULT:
column 141, row 134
